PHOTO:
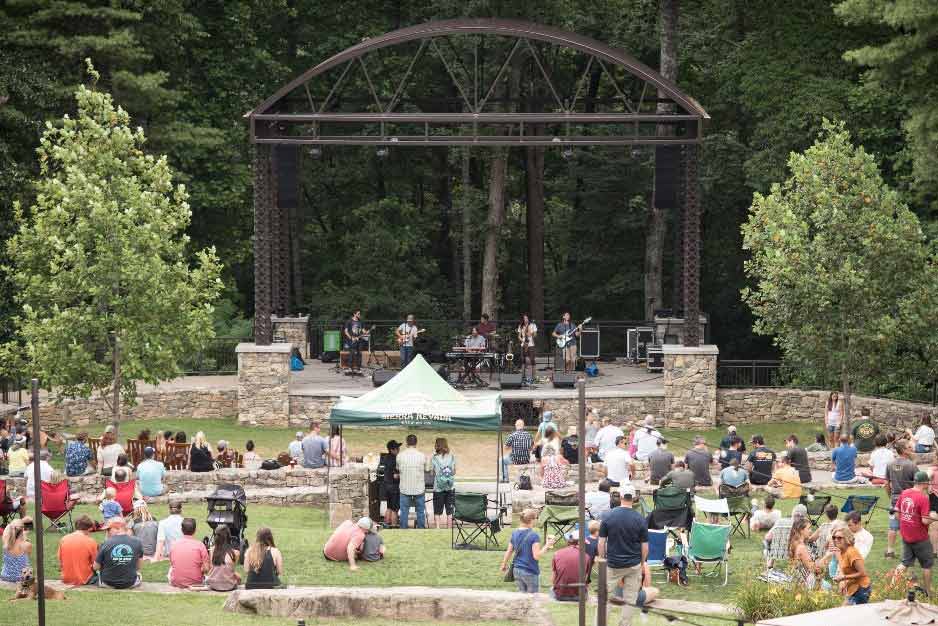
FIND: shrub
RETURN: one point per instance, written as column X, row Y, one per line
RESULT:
column 759, row 601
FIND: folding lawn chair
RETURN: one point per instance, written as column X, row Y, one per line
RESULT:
column 558, row 518
column 739, row 515
column 672, row 508
column 658, row 548
column 815, row 507
column 57, row 505
column 709, row 506
column 864, row 505
column 707, row 547
column 125, row 495
column 472, row 522
column 777, row 550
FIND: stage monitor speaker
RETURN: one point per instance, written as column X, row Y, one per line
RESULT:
column 288, row 188
column 329, row 357
column 655, row 360
column 509, row 381
column 589, row 343
column 565, row 380
column 382, row 376
column 667, row 176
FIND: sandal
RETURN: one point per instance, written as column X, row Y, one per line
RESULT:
column 890, row 554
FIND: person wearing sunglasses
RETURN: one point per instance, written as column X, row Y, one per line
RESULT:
column 855, row 584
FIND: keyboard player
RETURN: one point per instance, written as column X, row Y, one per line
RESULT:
column 475, row 342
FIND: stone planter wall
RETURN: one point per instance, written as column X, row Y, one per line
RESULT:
column 264, row 384
column 690, row 386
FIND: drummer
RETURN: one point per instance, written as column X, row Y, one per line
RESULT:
column 475, row 342
column 486, row 327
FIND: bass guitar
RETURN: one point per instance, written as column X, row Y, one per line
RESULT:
column 567, row 337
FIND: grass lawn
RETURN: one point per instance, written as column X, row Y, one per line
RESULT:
column 423, row 558
column 475, row 451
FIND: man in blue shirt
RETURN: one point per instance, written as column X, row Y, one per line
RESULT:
column 150, row 474
column 623, row 542
column 845, row 463
column 314, row 448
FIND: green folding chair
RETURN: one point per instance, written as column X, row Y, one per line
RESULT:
column 472, row 523
column 815, row 506
column 739, row 515
column 707, row 550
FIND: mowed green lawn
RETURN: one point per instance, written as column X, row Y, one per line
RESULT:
column 476, row 452
column 422, row 558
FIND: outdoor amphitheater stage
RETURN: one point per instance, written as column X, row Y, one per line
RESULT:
column 615, row 380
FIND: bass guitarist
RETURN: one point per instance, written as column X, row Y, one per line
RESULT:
column 567, row 333
column 354, row 334
column 406, row 334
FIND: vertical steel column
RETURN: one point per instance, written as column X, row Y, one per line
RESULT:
column 691, row 248
column 262, row 207
column 279, row 238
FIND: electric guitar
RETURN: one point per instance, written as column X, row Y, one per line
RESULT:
column 356, row 340
column 402, row 338
column 564, row 339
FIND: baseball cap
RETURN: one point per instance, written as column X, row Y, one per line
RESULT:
column 731, row 429
column 627, row 492
column 299, row 434
column 572, row 535
column 547, row 416
column 365, row 523
column 921, row 477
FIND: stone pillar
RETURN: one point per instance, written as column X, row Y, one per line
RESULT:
column 690, row 386
column 263, row 384
column 295, row 330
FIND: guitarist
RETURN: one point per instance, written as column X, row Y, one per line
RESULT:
column 406, row 333
column 354, row 332
column 566, row 330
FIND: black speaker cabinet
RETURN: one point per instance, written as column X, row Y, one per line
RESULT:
column 564, row 380
column 288, row 187
column 589, row 343
column 655, row 359
column 382, row 376
column 667, row 176
column 510, row 381
column 329, row 357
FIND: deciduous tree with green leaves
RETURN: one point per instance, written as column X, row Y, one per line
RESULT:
column 836, row 259
column 100, row 261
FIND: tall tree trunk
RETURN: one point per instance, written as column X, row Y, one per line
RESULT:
column 657, row 224
column 466, row 238
column 534, row 166
column 497, row 174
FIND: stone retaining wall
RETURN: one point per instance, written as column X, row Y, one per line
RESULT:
column 197, row 403
column 753, row 406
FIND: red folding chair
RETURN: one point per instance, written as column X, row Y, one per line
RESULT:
column 57, row 505
column 125, row 494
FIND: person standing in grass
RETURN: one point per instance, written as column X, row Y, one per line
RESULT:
column 444, row 479
column 914, row 520
column 411, row 465
column 525, row 545
column 623, row 542
column 900, row 475
column 833, row 416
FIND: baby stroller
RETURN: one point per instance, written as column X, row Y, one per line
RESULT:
column 228, row 505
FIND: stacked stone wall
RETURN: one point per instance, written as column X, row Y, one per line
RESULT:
column 690, row 389
column 264, row 384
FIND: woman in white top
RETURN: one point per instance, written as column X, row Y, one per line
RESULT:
column 924, row 437
column 108, row 451
column 833, row 416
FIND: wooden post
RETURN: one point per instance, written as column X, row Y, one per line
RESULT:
column 601, row 599
column 37, row 500
column 581, row 500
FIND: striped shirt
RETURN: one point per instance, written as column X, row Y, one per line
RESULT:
column 411, row 464
column 521, row 444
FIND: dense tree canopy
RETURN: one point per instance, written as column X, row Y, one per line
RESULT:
column 388, row 233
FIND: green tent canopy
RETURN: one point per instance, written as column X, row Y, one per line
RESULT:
column 417, row 397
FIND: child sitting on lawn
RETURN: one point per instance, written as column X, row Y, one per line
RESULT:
column 110, row 507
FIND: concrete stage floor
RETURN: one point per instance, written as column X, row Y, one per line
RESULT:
column 615, row 380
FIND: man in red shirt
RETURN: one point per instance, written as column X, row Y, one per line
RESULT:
column 914, row 518
column 566, row 569
column 188, row 558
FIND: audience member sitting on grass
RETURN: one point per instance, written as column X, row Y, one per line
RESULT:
column 146, row 529
column 819, row 445
column 150, row 474
column 180, row 437
column 160, row 444
column 18, row 457
column 784, row 525
column 263, row 562
column 373, row 548
column 646, row 444
column 200, row 454
column 338, row 448
column 660, row 462
column 862, row 538
column 123, row 463
column 553, row 469
column 880, row 459
column 806, row 569
column 924, row 437
column 698, row 461
column 295, row 449
column 845, row 463
column 766, row 517
column 77, row 456
column 798, row 457
column 16, row 551
column 110, row 508
column 785, row 483
column 525, row 545
column 251, row 459
column 821, row 537
column 345, row 543
column 45, row 473
column 734, row 480
column 315, row 448
column 680, row 476
column 761, row 462
column 618, row 464
column 77, row 552
column 168, row 531
column 565, row 569
column 223, row 576
column 225, row 456
column 733, row 451
column 108, row 451
column 119, row 557
column 188, row 560
column 598, row 501
column 605, row 439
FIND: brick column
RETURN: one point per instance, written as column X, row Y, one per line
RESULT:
column 690, row 386
column 263, row 384
column 295, row 330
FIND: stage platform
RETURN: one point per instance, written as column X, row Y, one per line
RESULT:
column 615, row 380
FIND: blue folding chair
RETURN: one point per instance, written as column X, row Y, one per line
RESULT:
column 864, row 505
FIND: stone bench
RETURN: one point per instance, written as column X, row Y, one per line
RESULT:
column 393, row 604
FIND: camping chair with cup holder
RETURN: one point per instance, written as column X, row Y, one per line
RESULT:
column 672, row 508
column 662, row 544
column 815, row 505
column 473, row 523
column 708, row 548
column 864, row 505
column 57, row 505
column 560, row 512
column 739, row 515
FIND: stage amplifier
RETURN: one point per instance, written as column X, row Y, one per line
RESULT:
column 509, row 381
column 655, row 359
column 589, row 343
column 564, row 380
column 382, row 376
